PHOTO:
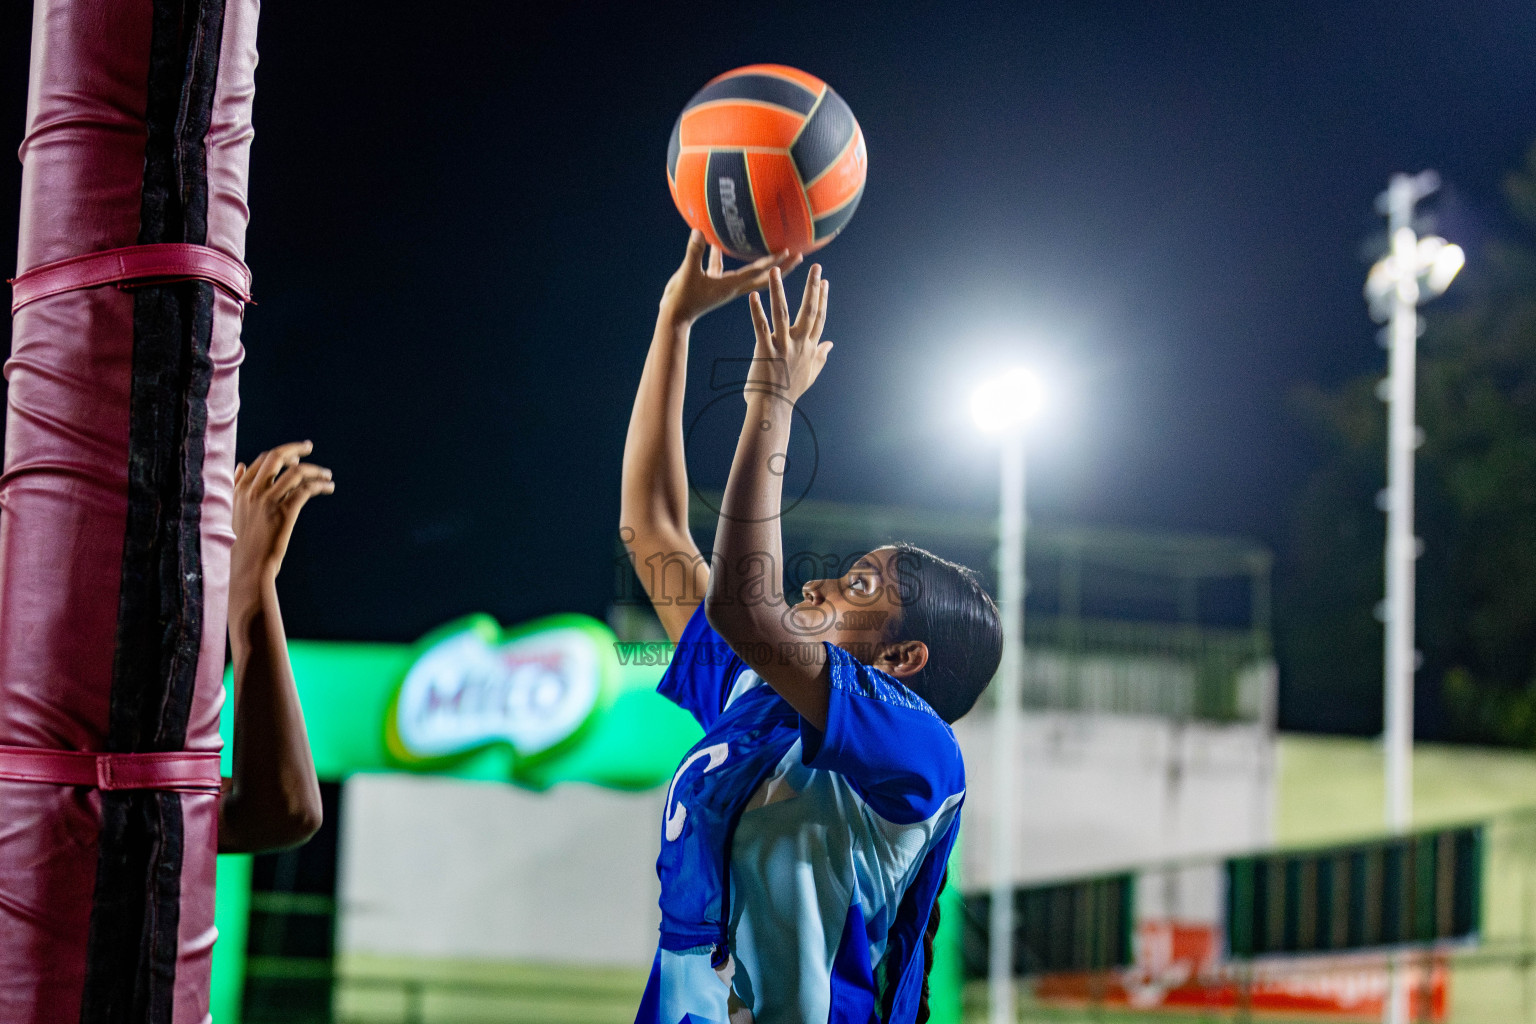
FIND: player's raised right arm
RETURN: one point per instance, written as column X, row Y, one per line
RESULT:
column 653, row 516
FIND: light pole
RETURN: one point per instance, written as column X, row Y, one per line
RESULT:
column 1414, row 270
column 1004, row 405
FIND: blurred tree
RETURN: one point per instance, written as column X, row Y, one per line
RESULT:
column 1476, row 513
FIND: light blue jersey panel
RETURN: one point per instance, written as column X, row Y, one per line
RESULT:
column 798, row 863
column 690, row 990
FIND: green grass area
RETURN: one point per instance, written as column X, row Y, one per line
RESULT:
column 1031, row 1012
column 1062, row 1015
column 409, row 990
column 1330, row 787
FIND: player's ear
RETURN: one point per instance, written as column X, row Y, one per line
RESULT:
column 903, row 659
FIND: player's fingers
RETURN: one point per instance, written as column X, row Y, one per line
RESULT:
column 261, row 471
column 760, row 280
column 783, row 259
column 784, row 262
column 762, row 262
column 754, row 275
column 818, row 312
column 280, row 458
column 777, row 301
column 298, row 476
column 753, row 283
column 279, row 470
column 716, row 261
column 239, row 472
column 811, row 294
column 821, row 310
column 292, row 481
column 788, row 261
column 759, row 320
column 296, row 498
column 694, row 254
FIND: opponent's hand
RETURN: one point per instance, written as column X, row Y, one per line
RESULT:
column 789, row 356
column 698, row 287
column 268, row 496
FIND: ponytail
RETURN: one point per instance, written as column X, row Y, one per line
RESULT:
column 929, row 933
column 932, row 930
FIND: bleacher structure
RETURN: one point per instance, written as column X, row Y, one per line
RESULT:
column 1118, row 621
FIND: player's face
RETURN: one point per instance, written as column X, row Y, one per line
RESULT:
column 857, row 612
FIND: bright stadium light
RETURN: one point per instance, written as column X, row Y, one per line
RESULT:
column 1008, row 401
column 1444, row 265
column 1415, row 269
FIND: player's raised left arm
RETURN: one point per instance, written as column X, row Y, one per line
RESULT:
column 744, row 602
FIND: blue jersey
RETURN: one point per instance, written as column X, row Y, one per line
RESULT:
column 795, row 862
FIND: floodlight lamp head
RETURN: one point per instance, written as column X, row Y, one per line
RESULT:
column 1417, row 269
column 1444, row 267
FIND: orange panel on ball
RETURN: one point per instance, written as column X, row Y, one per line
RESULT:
column 734, row 124
column 781, row 211
column 795, row 75
column 841, row 181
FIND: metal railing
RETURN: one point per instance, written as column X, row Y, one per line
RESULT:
column 1288, row 934
column 1149, row 668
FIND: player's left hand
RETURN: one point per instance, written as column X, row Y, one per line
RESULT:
column 789, row 356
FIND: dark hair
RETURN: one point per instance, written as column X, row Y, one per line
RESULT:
column 944, row 606
column 930, row 932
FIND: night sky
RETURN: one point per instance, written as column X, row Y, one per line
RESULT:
column 461, row 225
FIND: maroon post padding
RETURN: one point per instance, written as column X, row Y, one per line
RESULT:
column 64, row 493
column 162, row 263
column 187, row 771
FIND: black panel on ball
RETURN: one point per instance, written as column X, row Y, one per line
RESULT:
column 674, row 147
column 780, row 92
column 731, row 209
column 833, row 222
column 824, row 136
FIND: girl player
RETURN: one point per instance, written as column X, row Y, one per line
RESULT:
column 272, row 800
column 805, row 837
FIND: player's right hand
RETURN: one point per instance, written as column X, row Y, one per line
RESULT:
column 789, row 355
column 698, row 287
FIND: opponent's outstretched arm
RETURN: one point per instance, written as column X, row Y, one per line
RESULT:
column 745, row 604
column 653, row 508
column 272, row 800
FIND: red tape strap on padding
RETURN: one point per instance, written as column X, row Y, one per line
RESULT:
column 133, row 265
column 181, row 772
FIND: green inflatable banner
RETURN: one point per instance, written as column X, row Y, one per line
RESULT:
column 554, row 700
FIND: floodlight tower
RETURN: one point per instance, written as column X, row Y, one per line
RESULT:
column 1413, row 271
column 1005, row 405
